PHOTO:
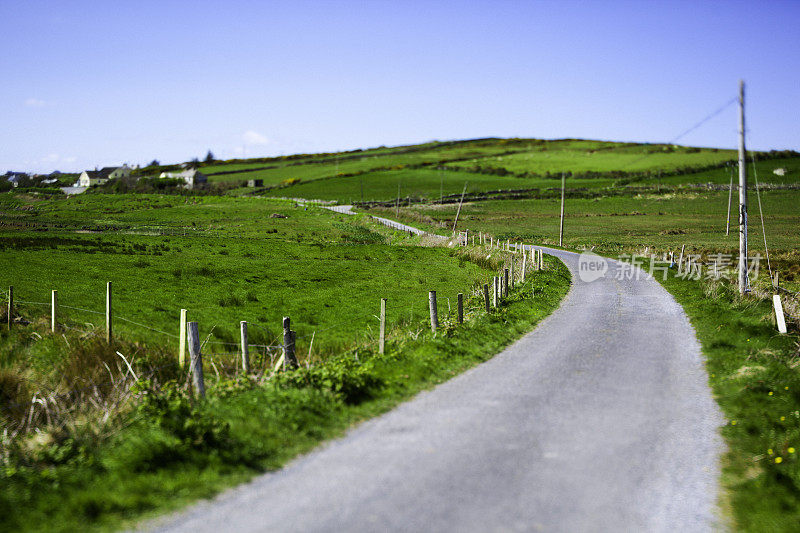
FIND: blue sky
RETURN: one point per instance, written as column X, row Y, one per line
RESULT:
column 90, row 84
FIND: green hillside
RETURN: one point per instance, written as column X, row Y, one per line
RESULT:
column 430, row 170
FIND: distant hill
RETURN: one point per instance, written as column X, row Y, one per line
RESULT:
column 435, row 169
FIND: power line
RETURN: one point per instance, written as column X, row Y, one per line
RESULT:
column 687, row 131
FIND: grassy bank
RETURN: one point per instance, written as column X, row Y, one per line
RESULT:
column 756, row 380
column 168, row 450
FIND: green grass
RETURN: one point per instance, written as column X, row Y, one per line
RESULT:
column 755, row 379
column 617, row 224
column 153, row 462
column 325, row 271
column 487, row 164
column 763, row 170
column 413, row 183
column 579, row 158
column 492, row 164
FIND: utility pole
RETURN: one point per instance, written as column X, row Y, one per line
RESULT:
column 441, row 186
column 561, row 226
column 730, row 198
column 459, row 207
column 742, row 197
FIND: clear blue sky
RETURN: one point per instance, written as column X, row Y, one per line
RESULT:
column 88, row 84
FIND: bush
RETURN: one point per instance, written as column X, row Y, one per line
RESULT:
column 343, row 375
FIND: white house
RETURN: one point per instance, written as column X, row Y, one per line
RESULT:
column 192, row 177
column 99, row 177
column 15, row 177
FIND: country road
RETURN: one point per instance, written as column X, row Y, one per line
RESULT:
column 600, row 419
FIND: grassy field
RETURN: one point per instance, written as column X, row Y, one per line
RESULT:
column 223, row 259
column 426, row 171
column 666, row 219
column 580, row 157
column 412, row 183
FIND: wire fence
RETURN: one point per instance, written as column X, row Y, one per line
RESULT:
column 219, row 359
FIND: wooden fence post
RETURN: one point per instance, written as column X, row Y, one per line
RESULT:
column 512, row 273
column 776, row 286
column 10, row 306
column 54, row 311
column 108, row 312
column 505, row 282
column 486, row 296
column 382, row 339
column 524, row 263
column 434, row 309
column 460, row 308
column 196, row 364
column 245, row 348
column 289, row 337
column 182, row 340
column 494, row 291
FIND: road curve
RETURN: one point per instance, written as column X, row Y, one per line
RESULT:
column 348, row 210
column 600, row 419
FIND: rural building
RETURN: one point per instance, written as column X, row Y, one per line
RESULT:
column 255, row 183
column 99, row 177
column 15, row 177
column 192, row 177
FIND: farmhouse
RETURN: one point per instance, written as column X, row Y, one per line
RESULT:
column 192, row 177
column 99, row 177
column 15, row 177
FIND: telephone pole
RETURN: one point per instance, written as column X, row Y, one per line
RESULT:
column 459, row 207
column 561, row 226
column 742, row 196
column 441, row 186
column 730, row 198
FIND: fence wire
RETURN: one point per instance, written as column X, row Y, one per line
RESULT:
column 223, row 357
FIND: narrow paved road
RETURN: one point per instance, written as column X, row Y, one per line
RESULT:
column 348, row 210
column 599, row 420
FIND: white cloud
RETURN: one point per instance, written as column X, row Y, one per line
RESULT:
column 35, row 102
column 254, row 138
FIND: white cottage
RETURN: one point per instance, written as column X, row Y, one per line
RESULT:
column 99, row 177
column 192, row 177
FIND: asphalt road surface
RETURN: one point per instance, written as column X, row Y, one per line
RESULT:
column 600, row 419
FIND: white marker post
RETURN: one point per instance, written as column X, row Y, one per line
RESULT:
column 779, row 318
